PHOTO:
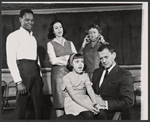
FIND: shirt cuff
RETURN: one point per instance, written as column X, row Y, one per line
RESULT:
column 17, row 79
column 19, row 82
column 104, row 106
column 107, row 105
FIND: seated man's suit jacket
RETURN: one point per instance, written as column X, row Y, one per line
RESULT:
column 117, row 88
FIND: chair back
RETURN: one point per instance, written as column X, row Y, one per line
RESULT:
column 12, row 89
column 117, row 116
column 4, row 87
column 137, row 88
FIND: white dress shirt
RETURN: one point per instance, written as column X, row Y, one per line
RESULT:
column 104, row 72
column 20, row 44
column 101, row 81
column 52, row 56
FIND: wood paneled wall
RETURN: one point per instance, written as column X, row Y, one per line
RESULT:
column 121, row 28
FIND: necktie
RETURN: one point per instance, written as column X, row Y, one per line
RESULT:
column 106, row 74
column 102, row 79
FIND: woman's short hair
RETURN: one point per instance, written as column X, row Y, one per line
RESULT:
column 51, row 34
column 94, row 26
column 71, row 58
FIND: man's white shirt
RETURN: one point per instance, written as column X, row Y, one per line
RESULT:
column 20, row 44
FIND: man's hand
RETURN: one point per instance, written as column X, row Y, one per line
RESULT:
column 97, row 106
column 91, row 108
column 21, row 88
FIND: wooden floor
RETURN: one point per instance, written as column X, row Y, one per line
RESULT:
column 49, row 112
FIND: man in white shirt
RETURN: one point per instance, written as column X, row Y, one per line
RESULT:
column 21, row 48
column 115, row 89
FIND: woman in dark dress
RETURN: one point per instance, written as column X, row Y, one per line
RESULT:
column 90, row 45
column 59, row 50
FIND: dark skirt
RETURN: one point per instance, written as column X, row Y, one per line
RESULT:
column 57, row 82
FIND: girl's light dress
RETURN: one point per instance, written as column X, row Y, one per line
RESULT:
column 78, row 82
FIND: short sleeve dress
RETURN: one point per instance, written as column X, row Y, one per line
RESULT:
column 78, row 82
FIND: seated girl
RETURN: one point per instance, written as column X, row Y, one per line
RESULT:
column 80, row 101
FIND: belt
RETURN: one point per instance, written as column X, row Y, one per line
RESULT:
column 26, row 60
column 58, row 65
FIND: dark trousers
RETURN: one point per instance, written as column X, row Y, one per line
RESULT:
column 85, row 115
column 30, row 74
column 104, row 115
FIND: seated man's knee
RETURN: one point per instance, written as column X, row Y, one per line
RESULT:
column 64, row 117
column 101, row 115
column 69, row 117
column 87, row 115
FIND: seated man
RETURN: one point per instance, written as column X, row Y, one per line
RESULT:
column 112, row 84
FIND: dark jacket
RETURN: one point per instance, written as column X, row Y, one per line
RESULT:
column 117, row 88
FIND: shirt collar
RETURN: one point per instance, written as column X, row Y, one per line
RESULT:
column 24, row 30
column 110, row 68
column 59, row 42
